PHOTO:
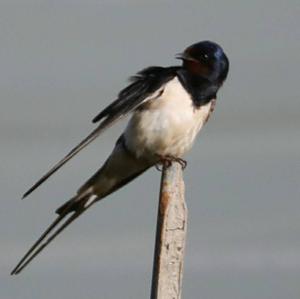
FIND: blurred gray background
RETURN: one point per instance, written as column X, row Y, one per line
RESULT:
column 62, row 61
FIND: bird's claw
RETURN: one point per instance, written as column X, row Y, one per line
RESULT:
column 166, row 161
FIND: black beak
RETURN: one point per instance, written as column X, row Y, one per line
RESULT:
column 185, row 56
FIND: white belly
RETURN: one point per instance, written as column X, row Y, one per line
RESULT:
column 166, row 125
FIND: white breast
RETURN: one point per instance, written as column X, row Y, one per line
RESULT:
column 166, row 125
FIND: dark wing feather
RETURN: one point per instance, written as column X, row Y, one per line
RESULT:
column 142, row 86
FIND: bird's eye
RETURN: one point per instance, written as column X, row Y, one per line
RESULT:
column 205, row 56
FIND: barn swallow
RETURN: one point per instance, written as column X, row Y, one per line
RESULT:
column 169, row 106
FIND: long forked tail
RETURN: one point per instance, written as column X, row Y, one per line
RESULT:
column 39, row 245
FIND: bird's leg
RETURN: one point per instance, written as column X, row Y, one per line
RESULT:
column 182, row 162
column 167, row 162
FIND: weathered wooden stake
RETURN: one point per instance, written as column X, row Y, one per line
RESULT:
column 170, row 236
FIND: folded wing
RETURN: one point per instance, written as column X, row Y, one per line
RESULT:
column 145, row 85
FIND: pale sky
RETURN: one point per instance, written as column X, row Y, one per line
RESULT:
column 63, row 61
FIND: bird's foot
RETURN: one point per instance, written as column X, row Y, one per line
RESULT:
column 166, row 161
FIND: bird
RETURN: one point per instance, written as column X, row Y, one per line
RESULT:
column 168, row 107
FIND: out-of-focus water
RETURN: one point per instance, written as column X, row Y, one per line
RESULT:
column 62, row 61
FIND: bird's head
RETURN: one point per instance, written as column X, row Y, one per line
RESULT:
column 206, row 59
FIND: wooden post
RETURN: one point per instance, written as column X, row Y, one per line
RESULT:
column 170, row 236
